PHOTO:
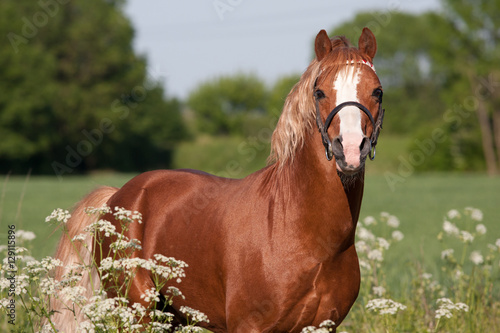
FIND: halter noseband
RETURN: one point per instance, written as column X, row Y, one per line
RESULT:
column 323, row 128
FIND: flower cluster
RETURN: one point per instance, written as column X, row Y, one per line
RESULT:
column 446, row 306
column 36, row 287
column 471, row 230
column 384, row 306
column 325, row 327
column 371, row 248
column 58, row 216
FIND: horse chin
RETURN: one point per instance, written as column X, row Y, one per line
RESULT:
column 349, row 178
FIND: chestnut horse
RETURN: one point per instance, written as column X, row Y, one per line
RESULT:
column 274, row 251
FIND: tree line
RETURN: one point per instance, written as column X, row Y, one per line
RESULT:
column 77, row 98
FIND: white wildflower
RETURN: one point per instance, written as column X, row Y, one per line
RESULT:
column 194, row 315
column 393, row 221
column 361, row 246
column 379, row 291
column 157, row 327
column 121, row 245
column 158, row 315
column 365, row 234
column 364, row 265
column 104, row 209
column 497, row 243
column 383, row 243
column 126, row 215
column 73, row 294
column 59, row 215
column 476, row 257
column 80, row 237
column 151, row 295
column 85, row 327
column 48, row 329
column 48, row 286
column 397, row 235
column 446, row 306
column 492, row 247
column 447, row 254
column 384, row 306
column 466, row 236
column 22, row 283
column 102, row 226
column 453, row 214
column 450, row 228
column 475, row 214
column 25, row 235
column 426, row 276
column 369, row 220
column 481, row 229
column 325, row 327
column 375, row 255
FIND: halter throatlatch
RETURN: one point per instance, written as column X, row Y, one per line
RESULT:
column 323, row 128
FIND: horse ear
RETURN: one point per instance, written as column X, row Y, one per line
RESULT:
column 322, row 45
column 367, row 43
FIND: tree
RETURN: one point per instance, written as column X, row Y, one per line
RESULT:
column 227, row 104
column 477, row 50
column 76, row 97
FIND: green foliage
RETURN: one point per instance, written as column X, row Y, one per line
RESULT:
column 78, row 97
column 228, row 104
column 232, row 156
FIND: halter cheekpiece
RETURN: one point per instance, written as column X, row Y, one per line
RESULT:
column 323, row 128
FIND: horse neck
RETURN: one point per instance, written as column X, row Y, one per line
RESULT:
column 326, row 204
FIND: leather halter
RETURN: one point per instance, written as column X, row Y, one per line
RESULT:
column 323, row 128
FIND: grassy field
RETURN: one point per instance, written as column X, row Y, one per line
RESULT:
column 420, row 202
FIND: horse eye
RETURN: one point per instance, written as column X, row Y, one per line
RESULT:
column 378, row 93
column 319, row 94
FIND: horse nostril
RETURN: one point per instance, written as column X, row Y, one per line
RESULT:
column 337, row 147
column 365, row 146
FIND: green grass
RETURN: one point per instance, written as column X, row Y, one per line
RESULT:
column 420, row 202
column 26, row 201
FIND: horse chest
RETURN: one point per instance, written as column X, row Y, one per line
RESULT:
column 302, row 294
column 327, row 294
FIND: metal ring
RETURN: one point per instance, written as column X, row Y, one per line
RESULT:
column 372, row 157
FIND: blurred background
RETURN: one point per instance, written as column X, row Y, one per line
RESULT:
column 95, row 91
column 130, row 86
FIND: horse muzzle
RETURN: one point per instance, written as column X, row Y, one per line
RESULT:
column 350, row 152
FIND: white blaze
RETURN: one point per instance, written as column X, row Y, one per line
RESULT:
column 346, row 85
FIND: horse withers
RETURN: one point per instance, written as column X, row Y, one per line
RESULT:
column 274, row 251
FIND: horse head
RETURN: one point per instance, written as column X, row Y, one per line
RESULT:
column 348, row 98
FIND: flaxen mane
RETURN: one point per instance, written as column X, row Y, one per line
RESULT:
column 297, row 118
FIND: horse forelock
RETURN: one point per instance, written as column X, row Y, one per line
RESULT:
column 298, row 116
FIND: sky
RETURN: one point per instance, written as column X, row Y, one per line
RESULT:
column 190, row 42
